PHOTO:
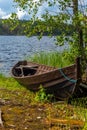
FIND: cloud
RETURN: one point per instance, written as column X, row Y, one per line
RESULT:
column 21, row 14
column 6, row 8
column 7, row 5
column 35, row 0
column 53, row 10
column 6, row 16
column 2, row 13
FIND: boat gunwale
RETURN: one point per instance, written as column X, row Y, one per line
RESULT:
column 50, row 71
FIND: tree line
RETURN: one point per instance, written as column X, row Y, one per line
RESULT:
column 6, row 28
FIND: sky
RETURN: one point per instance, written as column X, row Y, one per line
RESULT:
column 6, row 8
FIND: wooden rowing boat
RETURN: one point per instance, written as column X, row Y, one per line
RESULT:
column 62, row 82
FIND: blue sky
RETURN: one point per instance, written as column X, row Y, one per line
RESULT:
column 6, row 5
column 6, row 8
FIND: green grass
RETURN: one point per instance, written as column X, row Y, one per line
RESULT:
column 55, row 59
column 9, row 83
column 80, row 107
column 12, row 90
column 59, row 60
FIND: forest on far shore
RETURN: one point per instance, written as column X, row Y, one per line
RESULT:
column 19, row 30
column 5, row 29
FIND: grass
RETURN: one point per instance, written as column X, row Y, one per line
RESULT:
column 80, row 106
column 11, row 91
column 53, row 112
column 58, row 60
column 55, row 59
column 9, row 83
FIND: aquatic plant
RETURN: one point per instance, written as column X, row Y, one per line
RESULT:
column 55, row 59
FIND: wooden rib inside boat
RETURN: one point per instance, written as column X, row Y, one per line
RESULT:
column 62, row 82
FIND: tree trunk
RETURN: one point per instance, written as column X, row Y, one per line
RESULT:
column 78, row 27
column 80, row 34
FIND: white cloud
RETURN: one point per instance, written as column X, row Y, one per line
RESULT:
column 35, row 0
column 6, row 16
column 21, row 13
column 2, row 13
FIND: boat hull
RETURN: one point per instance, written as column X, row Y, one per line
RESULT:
column 61, row 82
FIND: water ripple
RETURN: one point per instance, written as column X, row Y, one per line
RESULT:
column 14, row 48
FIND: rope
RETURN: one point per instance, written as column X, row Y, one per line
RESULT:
column 71, row 80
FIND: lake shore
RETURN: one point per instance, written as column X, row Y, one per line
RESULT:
column 20, row 110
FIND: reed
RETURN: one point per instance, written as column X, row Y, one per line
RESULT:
column 12, row 91
column 55, row 59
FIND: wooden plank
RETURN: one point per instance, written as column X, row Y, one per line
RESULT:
column 58, row 81
column 72, row 122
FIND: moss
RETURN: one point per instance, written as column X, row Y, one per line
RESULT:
column 20, row 110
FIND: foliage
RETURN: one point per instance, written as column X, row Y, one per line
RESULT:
column 41, row 95
column 66, row 13
column 6, row 29
column 18, row 103
column 9, row 27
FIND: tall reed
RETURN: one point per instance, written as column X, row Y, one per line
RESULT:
column 55, row 59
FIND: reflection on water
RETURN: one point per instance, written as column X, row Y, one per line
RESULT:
column 14, row 48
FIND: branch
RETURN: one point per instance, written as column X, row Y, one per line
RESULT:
column 1, row 122
column 71, row 122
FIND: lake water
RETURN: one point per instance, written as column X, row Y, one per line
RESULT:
column 14, row 48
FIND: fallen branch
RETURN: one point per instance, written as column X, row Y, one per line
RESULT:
column 71, row 122
column 1, row 122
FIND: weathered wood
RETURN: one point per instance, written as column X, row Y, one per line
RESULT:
column 72, row 122
column 56, row 79
column 1, row 122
